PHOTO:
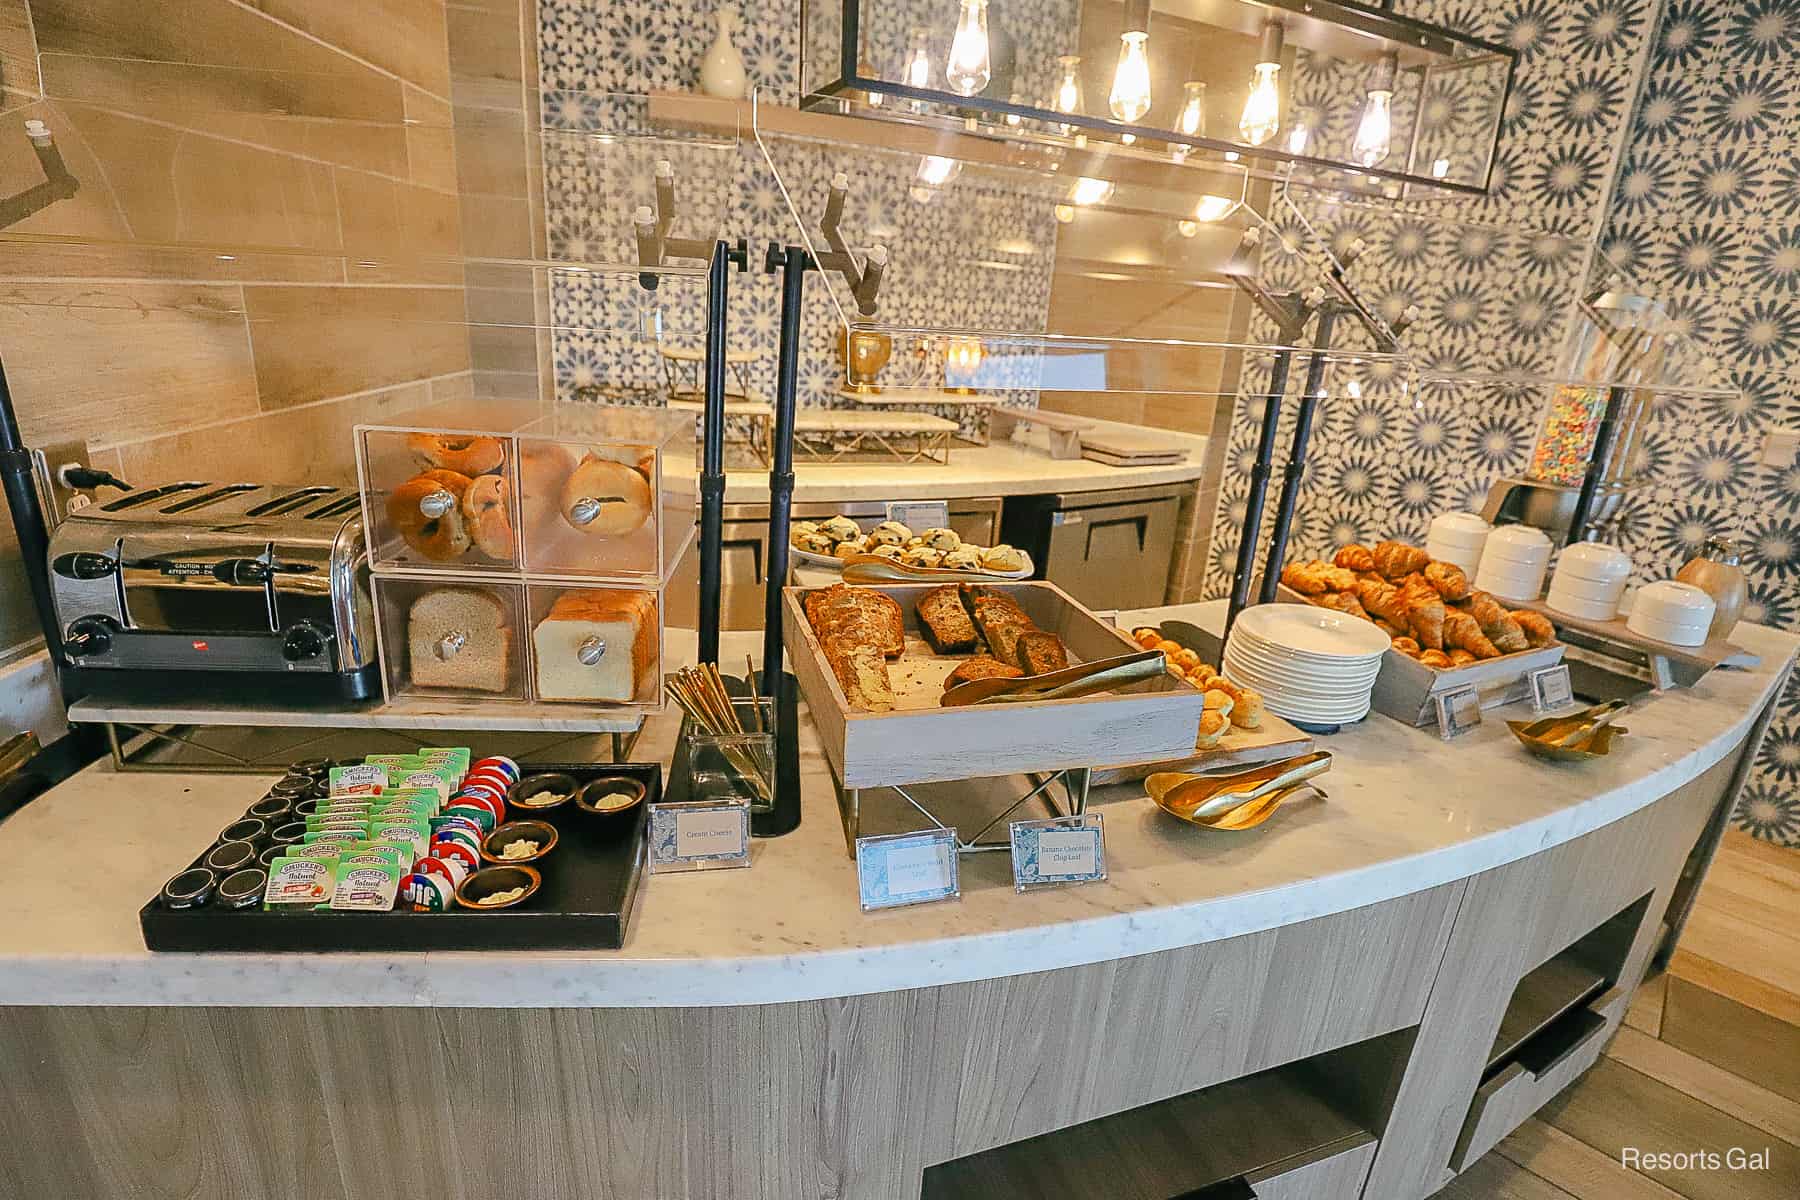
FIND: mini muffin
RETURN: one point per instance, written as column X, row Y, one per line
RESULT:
column 941, row 539
column 923, row 556
column 963, row 558
column 1219, row 702
column 841, row 528
column 813, row 543
column 1186, row 659
column 1005, row 558
column 850, row 548
column 889, row 533
column 1212, row 727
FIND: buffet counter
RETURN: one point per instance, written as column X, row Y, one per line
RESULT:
column 1377, row 934
column 998, row 469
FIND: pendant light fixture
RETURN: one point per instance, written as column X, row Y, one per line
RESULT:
column 1262, row 110
column 1130, row 97
column 970, row 66
column 1192, row 120
column 918, row 62
column 1068, row 92
column 1375, row 132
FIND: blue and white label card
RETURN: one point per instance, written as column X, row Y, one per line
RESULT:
column 699, row 835
column 907, row 868
column 1458, row 712
column 1058, row 850
column 1552, row 689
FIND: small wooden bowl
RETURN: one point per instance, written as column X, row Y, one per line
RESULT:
column 489, row 880
column 606, row 785
column 538, row 785
column 495, row 843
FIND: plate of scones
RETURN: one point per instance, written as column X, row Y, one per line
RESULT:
column 833, row 542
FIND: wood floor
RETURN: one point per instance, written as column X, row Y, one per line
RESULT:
column 1708, row 1059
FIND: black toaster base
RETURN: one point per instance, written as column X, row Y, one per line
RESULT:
column 316, row 689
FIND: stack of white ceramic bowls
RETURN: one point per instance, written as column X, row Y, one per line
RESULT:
column 1310, row 664
column 1589, row 581
column 1458, row 538
column 1677, row 613
column 1513, row 563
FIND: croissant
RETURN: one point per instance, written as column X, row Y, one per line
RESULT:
column 1449, row 580
column 1383, row 600
column 1463, row 632
column 1436, row 659
column 1460, row 657
column 1344, row 602
column 1391, row 629
column 1413, row 587
column 1306, row 578
column 1427, row 620
column 1538, row 629
column 1355, row 557
column 1407, row 646
column 1338, row 579
column 1395, row 559
column 1497, row 623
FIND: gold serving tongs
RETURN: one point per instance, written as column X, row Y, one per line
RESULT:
column 1578, row 735
column 872, row 568
column 1235, row 801
column 1083, row 679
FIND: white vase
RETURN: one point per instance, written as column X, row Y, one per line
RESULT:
column 722, row 70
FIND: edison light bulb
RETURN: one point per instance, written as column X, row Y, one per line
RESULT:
column 935, row 170
column 1065, row 213
column 1068, row 92
column 918, row 63
column 1440, row 168
column 1130, row 97
column 1091, row 191
column 1262, row 110
column 1192, row 120
column 969, row 68
column 1188, row 229
column 1214, row 208
column 1297, row 138
column 1375, row 132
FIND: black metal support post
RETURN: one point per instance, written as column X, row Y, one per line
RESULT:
column 1251, row 534
column 712, row 451
column 17, row 478
column 1590, row 482
column 793, row 264
column 1295, row 471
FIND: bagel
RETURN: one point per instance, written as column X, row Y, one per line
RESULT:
column 543, row 469
column 441, row 538
column 466, row 454
column 623, row 495
column 487, row 511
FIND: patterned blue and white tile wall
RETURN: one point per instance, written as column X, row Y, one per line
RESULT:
column 1669, row 133
column 593, row 47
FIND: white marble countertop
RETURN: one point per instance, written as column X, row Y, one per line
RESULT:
column 1405, row 812
column 999, row 469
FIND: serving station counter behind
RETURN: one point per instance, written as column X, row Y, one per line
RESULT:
column 1367, row 967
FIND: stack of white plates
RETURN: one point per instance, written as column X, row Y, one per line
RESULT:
column 1310, row 664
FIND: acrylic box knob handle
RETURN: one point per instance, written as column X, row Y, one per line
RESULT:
column 591, row 650
column 450, row 645
column 437, row 504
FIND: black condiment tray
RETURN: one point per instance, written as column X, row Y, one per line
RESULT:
column 590, row 884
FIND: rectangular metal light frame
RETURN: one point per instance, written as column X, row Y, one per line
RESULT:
column 1312, row 24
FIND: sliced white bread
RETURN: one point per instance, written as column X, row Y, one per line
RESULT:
column 619, row 629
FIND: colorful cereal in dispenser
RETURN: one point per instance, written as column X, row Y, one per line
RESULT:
column 1566, row 441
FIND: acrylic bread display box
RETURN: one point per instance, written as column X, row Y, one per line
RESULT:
column 527, row 566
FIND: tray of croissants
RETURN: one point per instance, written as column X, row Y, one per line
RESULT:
column 876, row 666
column 1436, row 619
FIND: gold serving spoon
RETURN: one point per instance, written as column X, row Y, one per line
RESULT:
column 1202, row 798
column 1249, row 816
column 1083, row 679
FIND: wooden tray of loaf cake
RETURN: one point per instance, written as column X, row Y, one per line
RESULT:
column 875, row 693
